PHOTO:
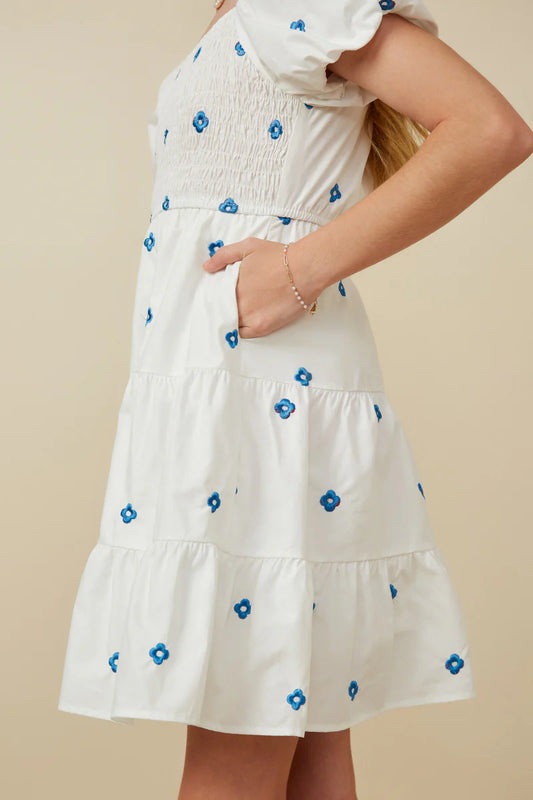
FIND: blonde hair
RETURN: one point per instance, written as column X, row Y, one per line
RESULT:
column 394, row 138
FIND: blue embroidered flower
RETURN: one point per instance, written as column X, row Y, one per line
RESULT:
column 165, row 136
column 285, row 220
column 149, row 317
column 308, row 105
column 159, row 653
column 284, row 408
column 342, row 290
column 200, row 121
column 353, row 688
column 239, row 49
column 196, row 54
column 243, row 608
column 236, row 490
column 393, row 590
column 113, row 661
column 330, row 500
column 386, row 5
column 166, row 203
column 214, row 501
column 128, row 513
column 275, row 129
column 229, row 206
column 334, row 193
column 454, row 663
column 149, row 241
column 421, row 491
column 298, row 25
column 296, row 699
column 213, row 247
column 304, row 376
column 314, row 604
column 232, row 338
column 378, row 411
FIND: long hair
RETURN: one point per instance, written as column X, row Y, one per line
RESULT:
column 394, row 139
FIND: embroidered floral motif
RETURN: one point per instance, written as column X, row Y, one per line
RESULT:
column 149, row 241
column 386, row 5
column 378, row 411
column 330, row 500
column 229, row 206
column 213, row 247
column 149, row 317
column 421, row 491
column 335, row 193
column 236, row 489
column 239, row 49
column 159, row 653
column 314, row 604
column 166, row 203
column 353, row 688
column 393, row 590
column 342, row 290
column 165, row 136
column 243, row 608
column 296, row 699
column 196, row 54
column 214, row 501
column 275, row 129
column 308, row 105
column 113, row 661
column 454, row 663
column 298, row 25
column 285, row 220
column 284, row 408
column 304, row 376
column 128, row 513
column 200, row 121
column 232, row 338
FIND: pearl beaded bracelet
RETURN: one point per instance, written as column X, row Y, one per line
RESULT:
column 312, row 309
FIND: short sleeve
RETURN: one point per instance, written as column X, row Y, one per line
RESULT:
column 292, row 41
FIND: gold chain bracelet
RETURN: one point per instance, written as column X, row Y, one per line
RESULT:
column 312, row 309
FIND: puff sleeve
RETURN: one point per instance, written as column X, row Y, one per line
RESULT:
column 292, row 41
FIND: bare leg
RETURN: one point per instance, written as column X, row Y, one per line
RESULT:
column 228, row 766
column 322, row 767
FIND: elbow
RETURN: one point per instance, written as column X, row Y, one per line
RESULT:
column 510, row 136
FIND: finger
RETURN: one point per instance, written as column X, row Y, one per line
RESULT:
column 227, row 254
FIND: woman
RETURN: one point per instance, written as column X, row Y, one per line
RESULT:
column 266, row 570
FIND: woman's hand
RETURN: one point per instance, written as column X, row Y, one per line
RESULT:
column 265, row 297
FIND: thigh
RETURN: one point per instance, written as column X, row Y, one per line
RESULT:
column 322, row 767
column 229, row 766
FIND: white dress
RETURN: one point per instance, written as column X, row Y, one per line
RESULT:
column 265, row 563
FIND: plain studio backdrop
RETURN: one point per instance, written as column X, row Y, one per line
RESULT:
column 452, row 320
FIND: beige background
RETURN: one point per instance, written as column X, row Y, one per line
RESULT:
column 451, row 319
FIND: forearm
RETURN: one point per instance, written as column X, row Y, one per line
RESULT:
column 455, row 165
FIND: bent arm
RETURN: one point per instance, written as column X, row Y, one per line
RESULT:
column 476, row 138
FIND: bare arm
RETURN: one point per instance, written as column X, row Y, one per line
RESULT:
column 476, row 138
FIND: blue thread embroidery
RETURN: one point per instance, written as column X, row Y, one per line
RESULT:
column 236, row 489
column 353, row 688
column 149, row 316
column 196, row 54
column 386, row 5
column 232, row 338
column 165, row 136
column 285, row 220
column 284, row 408
column 128, row 513
column 113, row 661
column 335, row 193
column 298, row 25
column 296, row 699
column 314, row 604
column 304, row 376
column 149, row 242
column 330, row 500
column 243, row 608
column 214, row 501
column 454, row 663
column 275, row 129
column 393, row 590
column 342, row 290
column 229, row 206
column 239, row 49
column 213, row 247
column 378, row 411
column 421, row 491
column 200, row 121
column 159, row 653
column 308, row 105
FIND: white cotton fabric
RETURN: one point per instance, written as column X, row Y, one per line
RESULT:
column 277, row 614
